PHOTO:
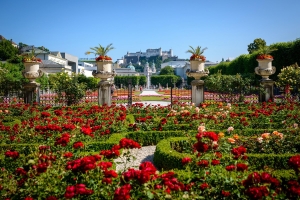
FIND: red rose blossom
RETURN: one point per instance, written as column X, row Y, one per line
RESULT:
column 186, row 160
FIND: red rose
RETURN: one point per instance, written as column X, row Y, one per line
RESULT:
column 215, row 162
column 204, row 186
column 148, row 167
column 78, row 145
column 201, row 147
column 294, row 162
column 203, row 163
column 186, row 160
column 107, row 181
column 225, row 193
column 68, row 154
column 230, row 167
column 241, row 167
column 110, row 174
column 265, row 177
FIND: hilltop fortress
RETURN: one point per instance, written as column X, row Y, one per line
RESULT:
column 135, row 57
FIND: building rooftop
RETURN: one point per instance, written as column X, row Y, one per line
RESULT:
column 130, row 66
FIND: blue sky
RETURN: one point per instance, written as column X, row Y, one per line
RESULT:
column 225, row 27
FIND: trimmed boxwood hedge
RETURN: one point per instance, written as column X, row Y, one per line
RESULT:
column 146, row 138
column 166, row 158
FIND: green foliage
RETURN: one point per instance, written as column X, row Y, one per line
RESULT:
column 265, row 50
column 257, row 44
column 167, row 70
column 10, row 121
column 108, row 144
column 90, row 82
column 130, row 119
column 147, row 138
column 101, row 50
column 228, row 86
column 7, row 50
column 67, row 86
column 274, row 161
column 287, row 53
column 152, row 59
column 135, row 80
column 44, row 81
column 166, row 158
column 165, row 80
column 289, row 76
column 138, row 68
column 11, row 74
column 196, row 51
column 17, row 59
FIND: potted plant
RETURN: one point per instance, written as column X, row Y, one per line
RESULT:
column 32, row 66
column 103, row 61
column 197, row 60
column 264, row 59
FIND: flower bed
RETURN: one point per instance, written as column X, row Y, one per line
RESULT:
column 238, row 151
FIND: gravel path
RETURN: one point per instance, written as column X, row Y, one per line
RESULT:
column 143, row 154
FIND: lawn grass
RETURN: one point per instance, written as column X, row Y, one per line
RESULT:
column 151, row 98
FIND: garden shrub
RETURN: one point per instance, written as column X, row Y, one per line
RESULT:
column 168, row 158
column 146, row 138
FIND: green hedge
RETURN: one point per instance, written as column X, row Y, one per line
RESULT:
column 146, row 138
column 167, row 158
column 104, row 145
column 287, row 53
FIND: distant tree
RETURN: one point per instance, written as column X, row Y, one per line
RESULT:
column 90, row 82
column 257, row 44
column 138, row 68
column 44, row 49
column 11, row 75
column 167, row 70
column 7, row 50
column 17, row 59
column 167, row 60
column 142, row 80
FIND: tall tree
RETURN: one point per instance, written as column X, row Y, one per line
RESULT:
column 257, row 44
column 167, row 70
column 7, row 50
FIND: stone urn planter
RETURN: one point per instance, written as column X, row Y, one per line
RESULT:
column 197, row 65
column 104, row 70
column 104, row 65
column 197, row 69
column 265, row 68
column 32, row 71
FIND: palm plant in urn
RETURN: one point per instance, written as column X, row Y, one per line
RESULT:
column 32, row 66
column 264, row 59
column 104, row 62
column 197, row 60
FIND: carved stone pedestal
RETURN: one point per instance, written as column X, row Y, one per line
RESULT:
column 31, row 89
column 265, row 69
column 197, row 92
column 104, row 92
column 197, row 71
column 31, row 93
column 268, row 86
